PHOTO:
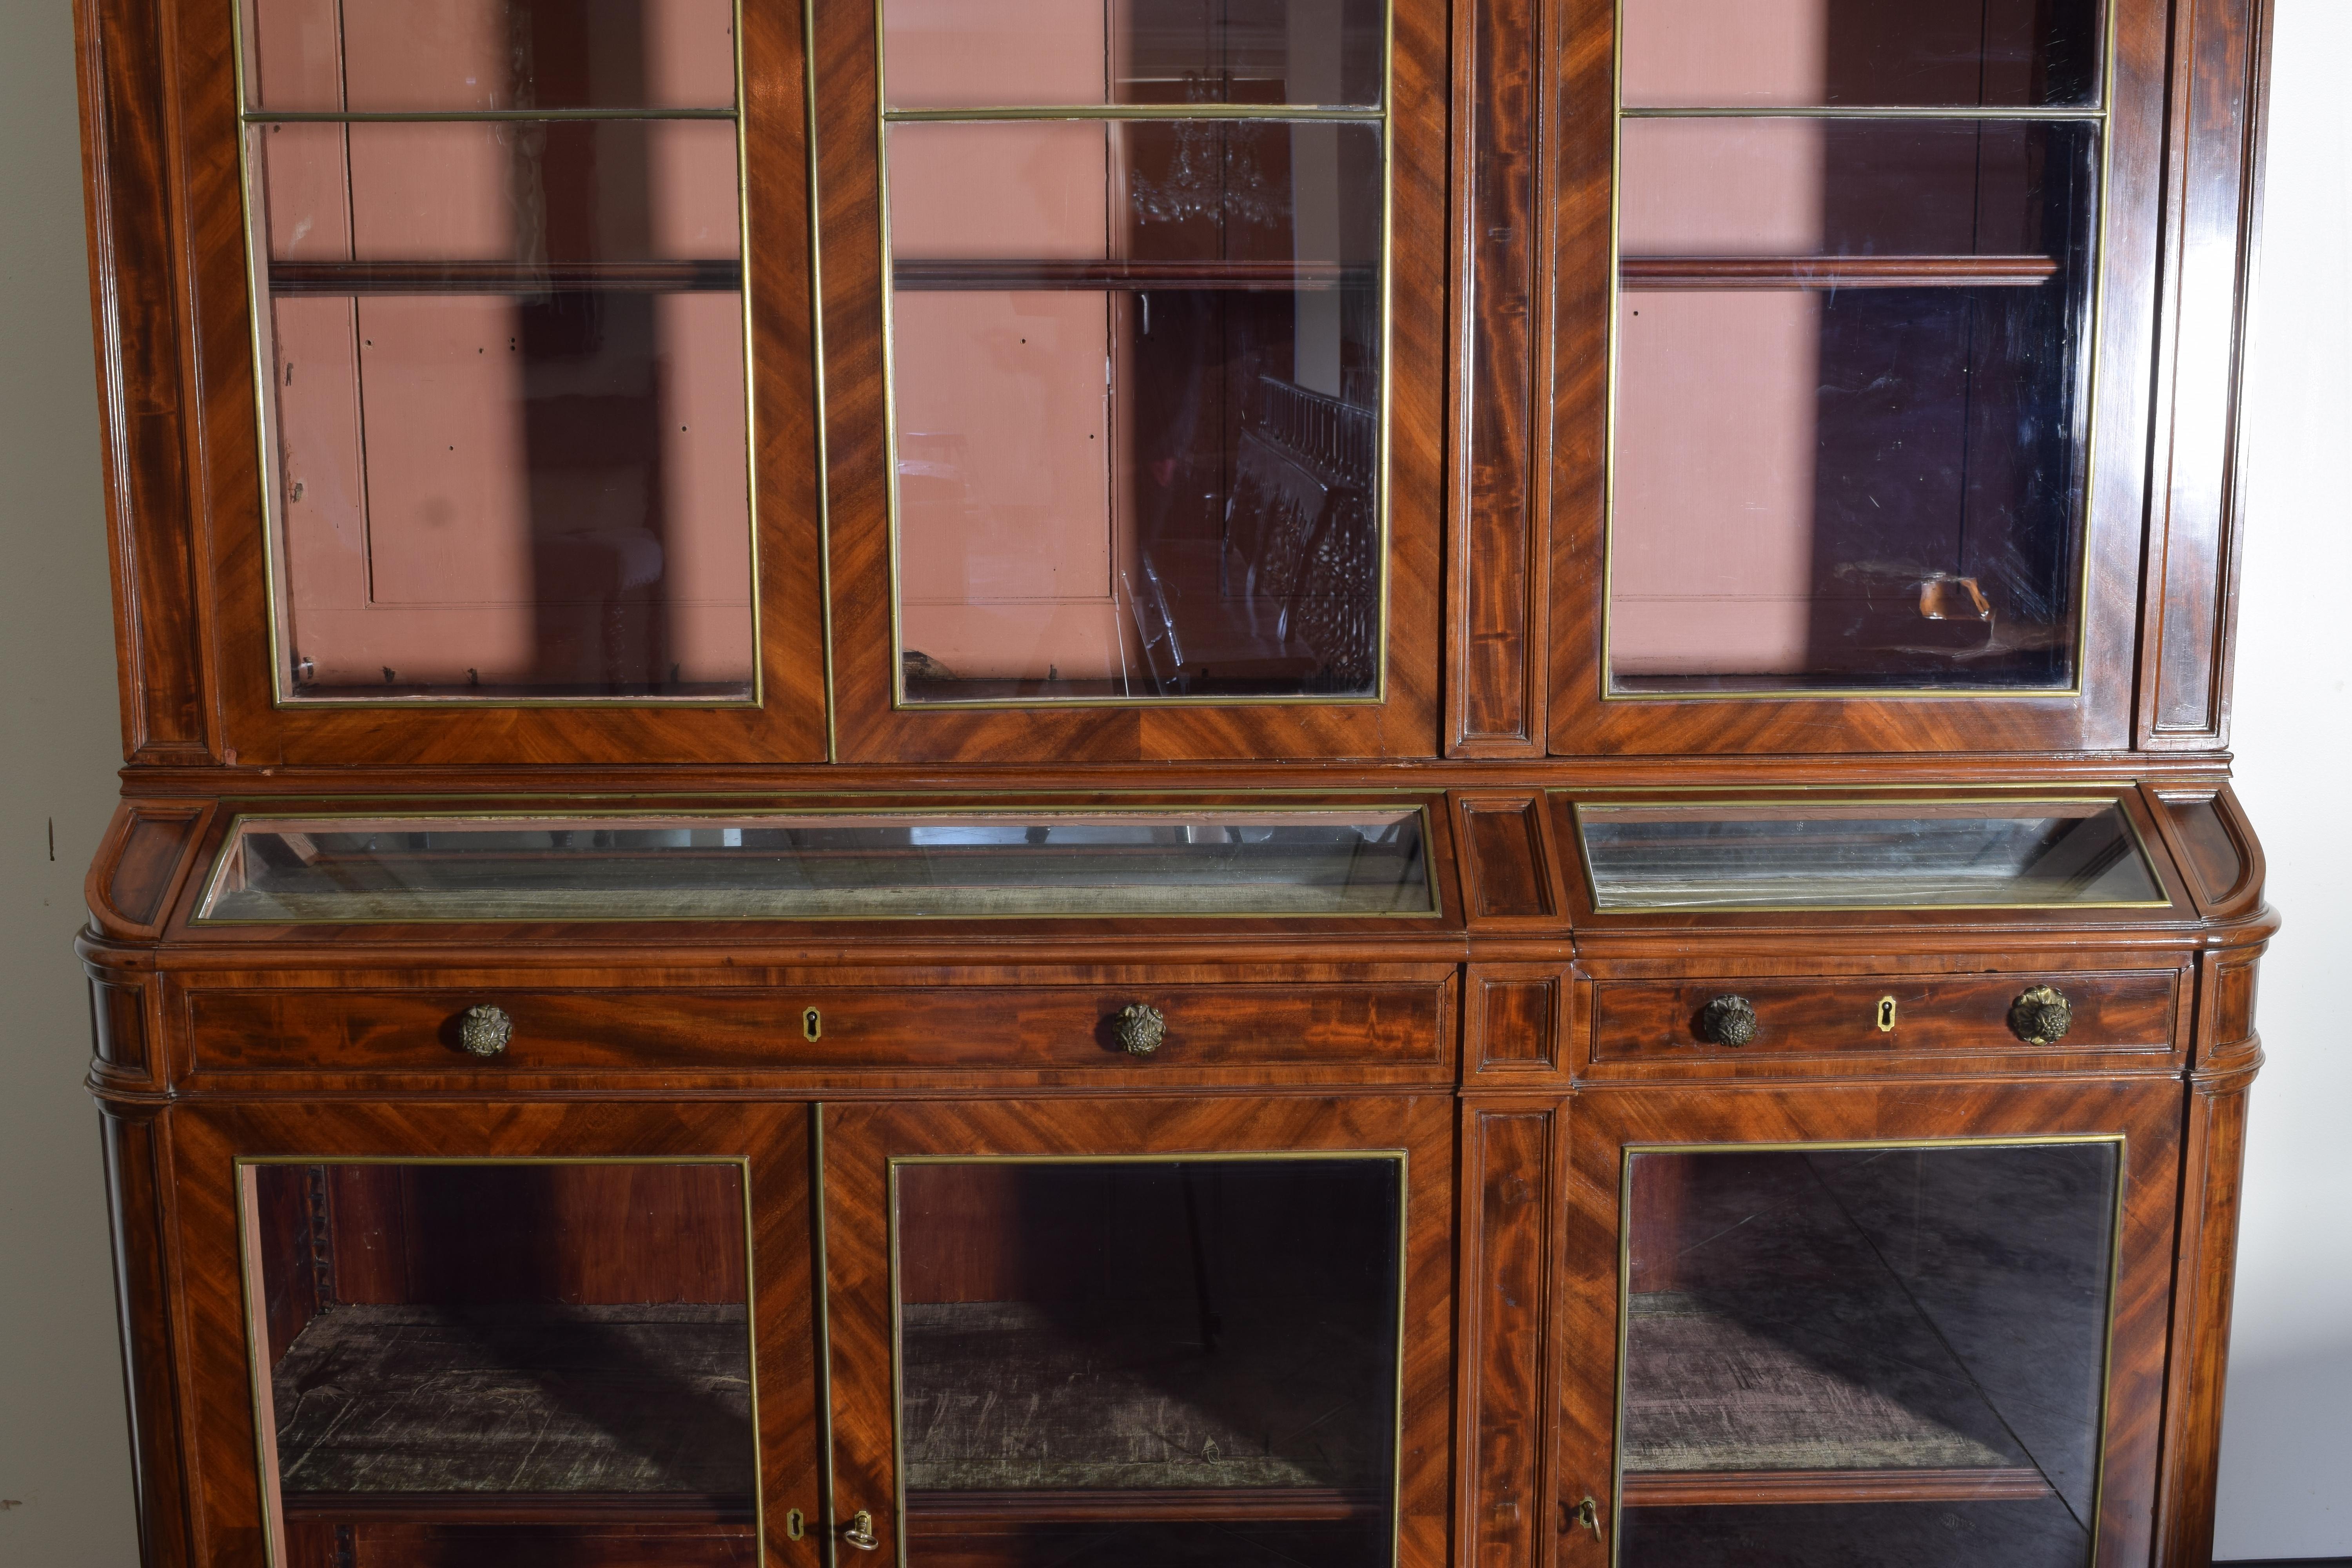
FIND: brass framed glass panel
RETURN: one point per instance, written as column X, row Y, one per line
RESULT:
column 1856, row 258
column 1299, row 861
column 488, row 1361
column 497, row 251
column 1149, row 1360
column 1892, row 1352
column 1137, row 317
column 1807, row 853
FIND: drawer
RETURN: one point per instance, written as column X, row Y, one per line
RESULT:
column 942, row 1028
column 1651, row 1020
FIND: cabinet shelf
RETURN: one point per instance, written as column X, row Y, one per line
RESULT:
column 611, row 1414
column 1710, row 1489
column 1676, row 273
column 1246, row 277
column 347, row 277
column 1143, row 1505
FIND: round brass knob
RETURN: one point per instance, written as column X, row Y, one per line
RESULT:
column 1141, row 1029
column 2041, row 1016
column 485, row 1030
column 1728, row 1021
column 860, row 1532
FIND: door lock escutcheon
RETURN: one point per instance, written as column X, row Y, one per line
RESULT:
column 812, row 1025
column 1886, row 1015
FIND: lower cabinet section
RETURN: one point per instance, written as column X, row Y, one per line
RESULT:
column 1643, row 1327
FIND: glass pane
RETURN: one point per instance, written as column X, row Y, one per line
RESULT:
column 1892, row 1355
column 1137, row 373
column 949, row 54
column 503, row 1363
column 883, row 864
column 2030, row 854
column 1149, row 1362
column 507, row 409
column 410, row 55
column 1866, row 53
column 1850, row 404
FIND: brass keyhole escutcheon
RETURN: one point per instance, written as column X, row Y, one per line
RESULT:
column 812, row 1025
column 793, row 1526
column 1886, row 1015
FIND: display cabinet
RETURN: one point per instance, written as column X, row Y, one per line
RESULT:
column 1347, row 782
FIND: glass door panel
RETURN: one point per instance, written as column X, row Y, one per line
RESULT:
column 1890, row 1354
column 508, row 1363
column 1854, row 311
column 1136, row 363
column 498, row 258
column 1150, row 1362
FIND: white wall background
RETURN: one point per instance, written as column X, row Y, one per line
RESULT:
column 2286, row 1481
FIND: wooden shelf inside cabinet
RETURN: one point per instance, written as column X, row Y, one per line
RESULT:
column 1660, row 274
column 1228, row 277
column 937, row 1510
column 349, row 278
column 512, row 1414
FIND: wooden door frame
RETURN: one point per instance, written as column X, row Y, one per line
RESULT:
column 860, row 1139
column 212, row 1144
column 2146, row 1112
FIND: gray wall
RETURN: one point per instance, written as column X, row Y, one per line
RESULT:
column 64, row 1473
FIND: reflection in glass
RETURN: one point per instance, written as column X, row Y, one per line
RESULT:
column 1852, row 362
column 1891, row 1355
column 964, row 54
column 1136, row 364
column 505, row 409
column 2037, row 854
column 910, row 866
column 1149, row 1362
column 2005, row 54
column 478, row 1364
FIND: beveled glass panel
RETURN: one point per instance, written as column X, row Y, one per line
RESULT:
column 492, row 1361
column 472, row 55
column 2043, row 853
column 959, row 54
column 1887, row 1354
column 902, row 865
column 1850, row 437
column 507, row 409
column 1136, row 372
column 1149, row 1362
column 1861, row 52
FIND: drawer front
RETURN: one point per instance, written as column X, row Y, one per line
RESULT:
column 1650, row 1020
column 942, row 1029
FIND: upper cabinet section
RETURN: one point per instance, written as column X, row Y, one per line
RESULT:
column 1149, row 472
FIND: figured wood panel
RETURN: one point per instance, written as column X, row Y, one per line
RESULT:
column 2214, row 179
column 859, row 1140
column 1643, row 1020
column 1507, row 1236
column 1515, row 1022
column 1509, row 868
column 1312, row 1027
column 1495, row 594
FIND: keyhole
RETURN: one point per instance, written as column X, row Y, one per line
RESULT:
column 812, row 1026
column 1886, row 1015
column 795, row 1526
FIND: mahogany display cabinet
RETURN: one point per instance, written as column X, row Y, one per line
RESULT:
column 1343, row 783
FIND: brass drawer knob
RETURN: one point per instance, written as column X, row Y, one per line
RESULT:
column 1728, row 1021
column 2041, row 1016
column 485, row 1030
column 1141, row 1029
column 860, row 1532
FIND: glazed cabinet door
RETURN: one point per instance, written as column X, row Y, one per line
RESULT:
column 1143, row 1332
column 466, row 1336
column 1853, row 331
column 1133, row 317
column 506, row 381
column 1924, row 1326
